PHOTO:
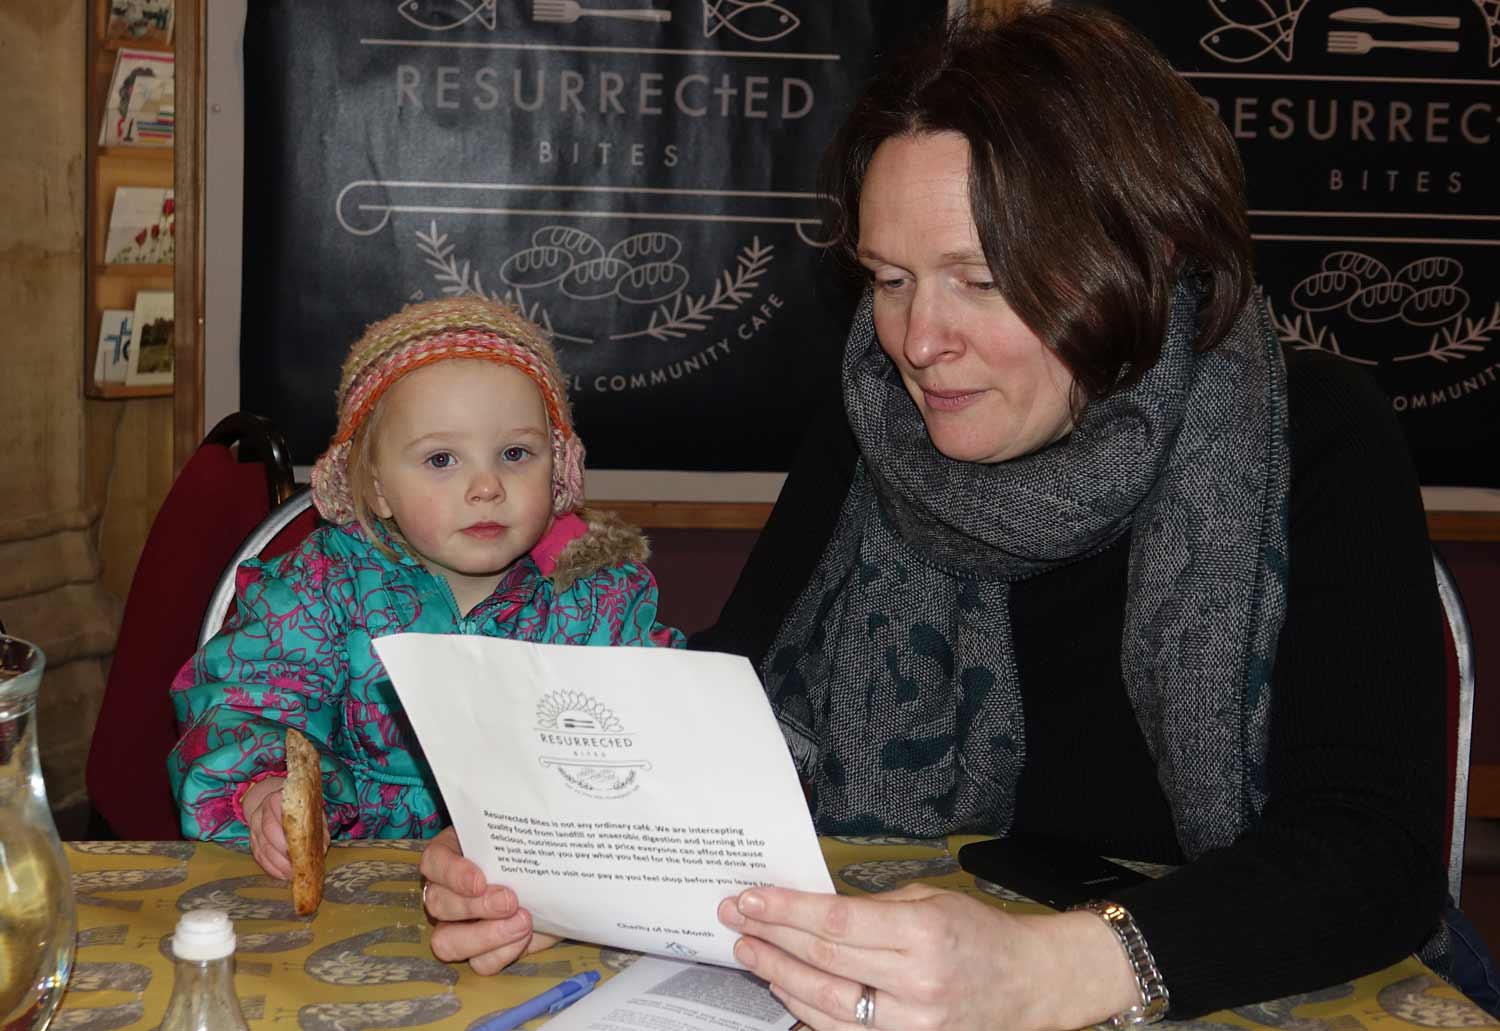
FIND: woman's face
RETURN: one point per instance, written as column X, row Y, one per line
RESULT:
column 987, row 387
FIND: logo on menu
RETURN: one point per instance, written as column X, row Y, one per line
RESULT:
column 588, row 746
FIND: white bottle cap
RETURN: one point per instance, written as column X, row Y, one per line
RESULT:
column 203, row 934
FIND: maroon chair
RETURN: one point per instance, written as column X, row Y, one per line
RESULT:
column 237, row 475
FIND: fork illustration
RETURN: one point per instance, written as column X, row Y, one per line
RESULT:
column 569, row 11
column 1363, row 43
column 1375, row 16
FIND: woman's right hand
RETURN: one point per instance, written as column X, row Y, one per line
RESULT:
column 479, row 922
column 262, row 808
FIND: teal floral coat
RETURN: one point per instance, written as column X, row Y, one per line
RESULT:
column 298, row 654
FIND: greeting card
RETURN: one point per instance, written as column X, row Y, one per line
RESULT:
column 142, row 226
column 151, row 349
column 131, row 67
column 149, row 21
column 112, row 357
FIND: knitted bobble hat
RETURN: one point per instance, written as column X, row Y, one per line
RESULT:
column 435, row 331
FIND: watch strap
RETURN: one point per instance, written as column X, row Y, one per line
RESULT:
column 1154, row 996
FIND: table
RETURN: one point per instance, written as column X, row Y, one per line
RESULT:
column 363, row 960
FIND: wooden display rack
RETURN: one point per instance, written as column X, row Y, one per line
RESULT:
column 106, row 169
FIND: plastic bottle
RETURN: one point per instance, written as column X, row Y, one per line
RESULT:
column 203, row 996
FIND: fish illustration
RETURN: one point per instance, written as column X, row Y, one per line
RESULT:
column 172, row 849
column 1245, row 12
column 442, row 15
column 759, row 21
column 225, row 894
column 89, row 886
column 350, row 961
column 1283, row 1012
column 352, row 1016
column 100, row 1018
column 1414, row 1000
column 109, row 977
column 1238, row 44
column 1252, row 29
column 352, row 884
column 1491, row 11
column 885, row 874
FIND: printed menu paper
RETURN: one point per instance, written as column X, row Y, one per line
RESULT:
column 671, row 995
column 621, row 792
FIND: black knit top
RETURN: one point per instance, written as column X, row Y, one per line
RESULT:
column 1344, row 873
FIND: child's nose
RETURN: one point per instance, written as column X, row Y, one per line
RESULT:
column 486, row 487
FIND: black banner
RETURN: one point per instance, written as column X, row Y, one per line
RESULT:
column 636, row 175
column 1369, row 133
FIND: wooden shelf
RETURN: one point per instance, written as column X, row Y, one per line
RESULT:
column 138, row 153
column 111, row 45
column 112, row 285
column 130, row 270
column 123, row 392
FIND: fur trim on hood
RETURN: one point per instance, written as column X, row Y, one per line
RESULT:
column 609, row 541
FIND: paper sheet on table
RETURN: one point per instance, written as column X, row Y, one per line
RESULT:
column 672, row 995
column 621, row 792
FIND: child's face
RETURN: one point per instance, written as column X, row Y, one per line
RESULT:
column 463, row 465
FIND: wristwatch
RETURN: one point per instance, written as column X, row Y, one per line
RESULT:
column 1154, row 997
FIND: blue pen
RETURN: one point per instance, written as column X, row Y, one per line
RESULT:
column 558, row 997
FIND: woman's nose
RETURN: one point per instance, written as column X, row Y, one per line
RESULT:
column 929, row 337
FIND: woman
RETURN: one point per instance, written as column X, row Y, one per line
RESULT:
column 1082, row 555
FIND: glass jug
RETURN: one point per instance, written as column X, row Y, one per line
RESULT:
column 37, row 925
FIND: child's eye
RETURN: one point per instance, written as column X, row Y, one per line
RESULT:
column 515, row 454
column 441, row 460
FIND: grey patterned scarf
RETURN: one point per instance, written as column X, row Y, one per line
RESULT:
column 893, row 674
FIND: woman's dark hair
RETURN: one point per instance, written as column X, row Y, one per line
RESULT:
column 1097, row 174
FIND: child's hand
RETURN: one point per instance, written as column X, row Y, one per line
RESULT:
column 262, row 808
column 482, row 923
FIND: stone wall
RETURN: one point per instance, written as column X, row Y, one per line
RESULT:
column 71, row 471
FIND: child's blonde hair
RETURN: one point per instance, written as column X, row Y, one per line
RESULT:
column 418, row 335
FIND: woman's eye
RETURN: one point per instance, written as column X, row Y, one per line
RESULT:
column 441, row 460
column 515, row 454
column 982, row 285
column 889, row 284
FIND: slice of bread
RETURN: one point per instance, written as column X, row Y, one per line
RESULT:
column 302, row 820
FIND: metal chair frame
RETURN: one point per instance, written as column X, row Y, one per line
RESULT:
column 1463, row 645
column 275, row 521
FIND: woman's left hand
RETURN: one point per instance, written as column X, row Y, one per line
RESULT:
column 478, row 922
column 935, row 959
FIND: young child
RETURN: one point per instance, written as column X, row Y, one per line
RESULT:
column 453, row 488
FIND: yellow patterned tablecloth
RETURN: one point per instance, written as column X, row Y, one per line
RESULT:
column 363, row 960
